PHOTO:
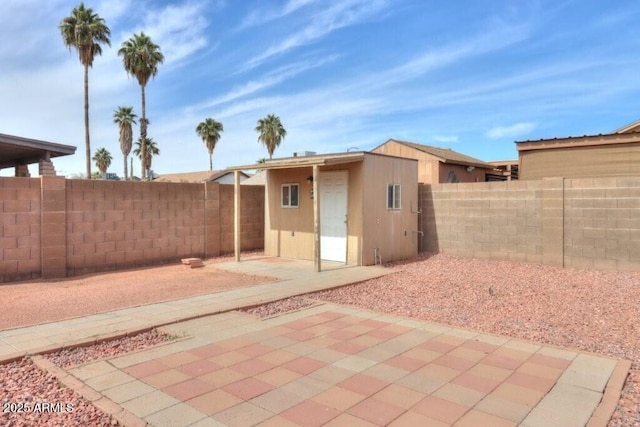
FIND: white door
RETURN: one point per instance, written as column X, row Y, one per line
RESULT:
column 333, row 215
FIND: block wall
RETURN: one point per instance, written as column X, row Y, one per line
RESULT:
column 497, row 220
column 19, row 228
column 583, row 223
column 251, row 217
column 53, row 227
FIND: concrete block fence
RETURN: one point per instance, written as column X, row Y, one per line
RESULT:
column 54, row 227
column 583, row 223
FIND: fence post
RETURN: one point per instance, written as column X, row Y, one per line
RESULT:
column 53, row 227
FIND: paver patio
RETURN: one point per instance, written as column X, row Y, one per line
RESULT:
column 338, row 366
column 326, row 365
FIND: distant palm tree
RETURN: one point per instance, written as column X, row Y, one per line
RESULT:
column 124, row 117
column 103, row 161
column 209, row 131
column 141, row 57
column 271, row 133
column 85, row 31
column 148, row 150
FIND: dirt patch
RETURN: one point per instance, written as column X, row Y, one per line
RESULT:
column 589, row 310
column 279, row 307
column 42, row 301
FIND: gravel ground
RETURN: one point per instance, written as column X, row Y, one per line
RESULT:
column 42, row 301
column 589, row 310
column 25, row 386
column 279, row 307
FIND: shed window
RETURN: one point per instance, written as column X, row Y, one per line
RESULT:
column 393, row 196
column 290, row 195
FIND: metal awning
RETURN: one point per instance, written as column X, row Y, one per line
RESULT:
column 15, row 150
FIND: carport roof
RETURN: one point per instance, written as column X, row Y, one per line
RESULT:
column 18, row 150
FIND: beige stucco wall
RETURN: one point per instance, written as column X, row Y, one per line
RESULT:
column 581, row 162
column 393, row 232
column 461, row 173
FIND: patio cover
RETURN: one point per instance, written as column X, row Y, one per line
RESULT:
column 15, row 150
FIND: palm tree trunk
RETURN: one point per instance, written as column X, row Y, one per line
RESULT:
column 210, row 161
column 86, row 121
column 125, row 168
column 143, row 135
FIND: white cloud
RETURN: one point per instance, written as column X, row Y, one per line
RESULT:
column 340, row 15
column 514, row 131
column 263, row 16
column 448, row 138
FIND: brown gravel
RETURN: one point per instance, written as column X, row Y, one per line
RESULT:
column 78, row 355
column 589, row 310
column 279, row 307
column 26, row 390
column 41, row 301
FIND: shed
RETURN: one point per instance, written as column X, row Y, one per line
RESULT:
column 356, row 208
column 589, row 156
column 437, row 165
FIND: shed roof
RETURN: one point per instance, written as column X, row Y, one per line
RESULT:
column 445, row 155
column 301, row 161
column 18, row 150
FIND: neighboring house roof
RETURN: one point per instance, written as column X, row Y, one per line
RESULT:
column 630, row 128
column 205, row 176
column 255, row 179
column 580, row 141
column 445, row 155
column 17, row 150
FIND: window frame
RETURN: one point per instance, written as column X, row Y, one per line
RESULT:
column 288, row 187
column 394, row 197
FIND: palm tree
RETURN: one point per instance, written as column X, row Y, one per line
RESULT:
column 209, row 131
column 145, row 152
column 124, row 117
column 271, row 133
column 141, row 57
column 103, row 161
column 85, row 31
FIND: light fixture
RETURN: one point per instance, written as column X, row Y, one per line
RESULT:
column 310, row 179
column 470, row 168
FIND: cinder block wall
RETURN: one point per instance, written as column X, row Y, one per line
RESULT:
column 497, row 220
column 53, row 227
column 19, row 228
column 251, row 217
column 602, row 223
column 592, row 223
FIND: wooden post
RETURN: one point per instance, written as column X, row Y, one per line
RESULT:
column 236, row 214
column 316, row 220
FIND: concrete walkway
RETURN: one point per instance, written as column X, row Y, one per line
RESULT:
column 325, row 365
column 295, row 277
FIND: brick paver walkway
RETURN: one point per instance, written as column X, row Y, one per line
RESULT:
column 337, row 366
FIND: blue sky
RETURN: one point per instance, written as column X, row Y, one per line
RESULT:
column 470, row 75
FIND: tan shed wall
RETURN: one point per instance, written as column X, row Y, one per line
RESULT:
column 289, row 231
column 581, row 162
column 393, row 232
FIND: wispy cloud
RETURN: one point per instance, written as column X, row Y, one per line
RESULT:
column 263, row 16
column 179, row 29
column 340, row 15
column 513, row 131
column 272, row 79
column 447, row 138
